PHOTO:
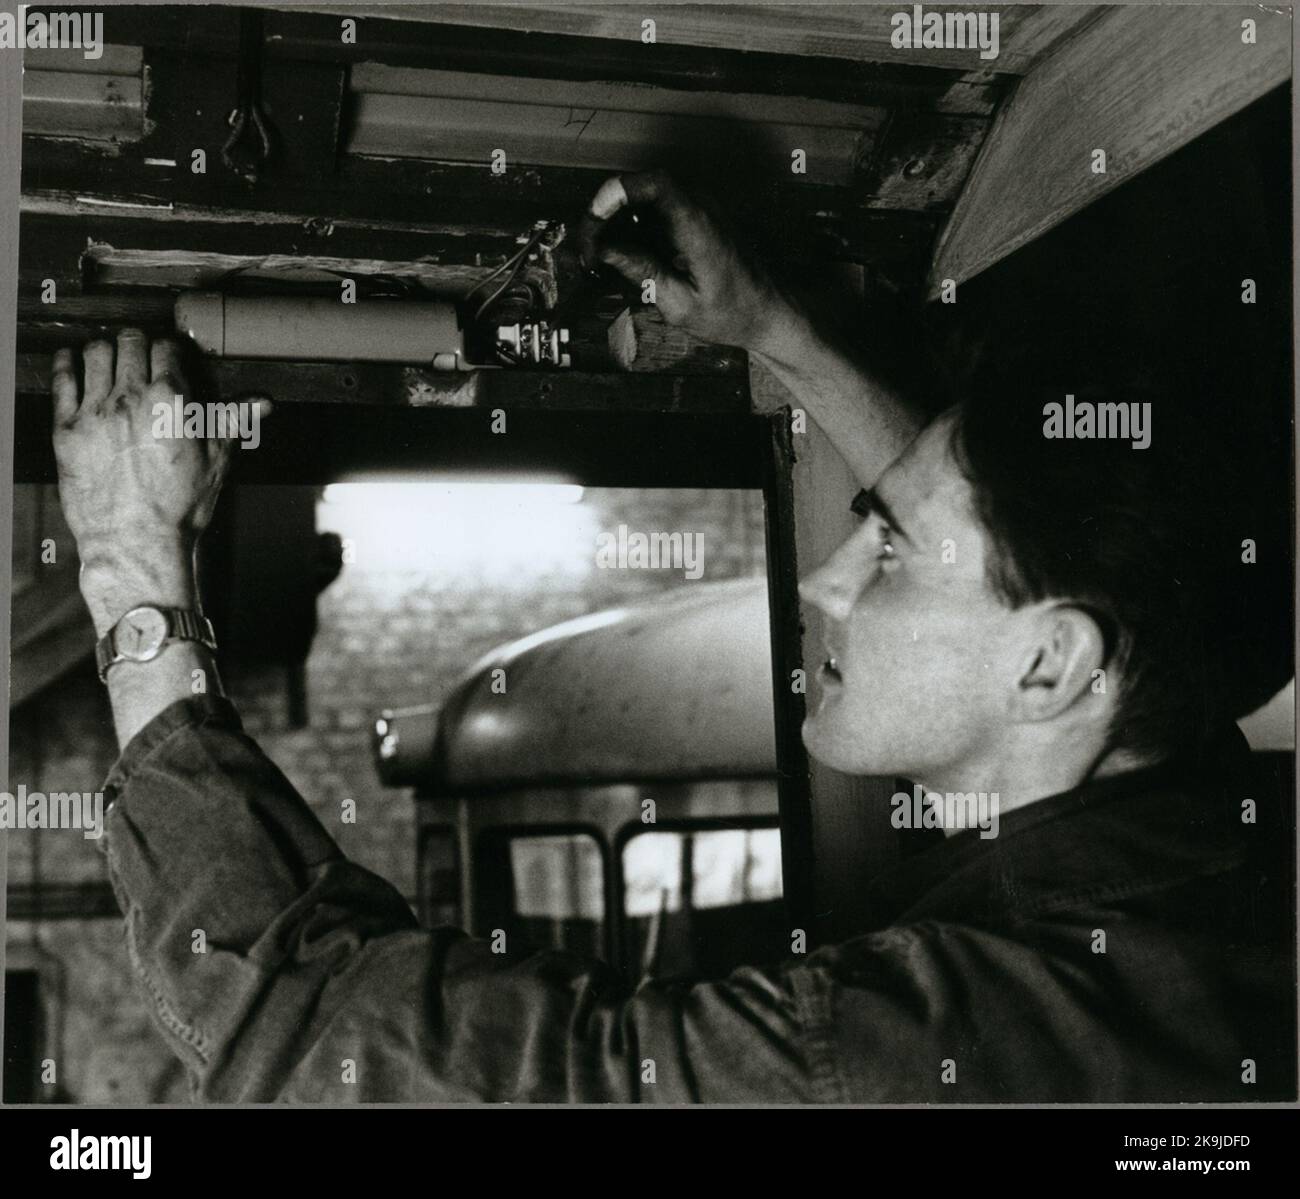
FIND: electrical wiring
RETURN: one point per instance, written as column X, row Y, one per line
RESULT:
column 512, row 261
column 513, row 283
column 514, row 264
column 395, row 287
column 482, row 308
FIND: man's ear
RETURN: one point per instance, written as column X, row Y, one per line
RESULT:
column 1065, row 647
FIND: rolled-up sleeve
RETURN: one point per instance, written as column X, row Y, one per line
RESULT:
column 277, row 969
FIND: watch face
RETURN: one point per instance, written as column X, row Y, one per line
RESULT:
column 140, row 634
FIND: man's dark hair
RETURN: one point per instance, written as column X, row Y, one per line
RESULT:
column 1150, row 543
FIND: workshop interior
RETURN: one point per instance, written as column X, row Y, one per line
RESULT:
column 370, row 217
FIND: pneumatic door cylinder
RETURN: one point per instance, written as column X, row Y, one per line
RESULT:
column 319, row 329
column 440, row 334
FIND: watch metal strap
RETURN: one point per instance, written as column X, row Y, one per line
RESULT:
column 183, row 624
column 188, row 625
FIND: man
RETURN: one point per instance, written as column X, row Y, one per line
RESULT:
column 1015, row 617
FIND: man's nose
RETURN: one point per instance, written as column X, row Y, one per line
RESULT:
column 833, row 586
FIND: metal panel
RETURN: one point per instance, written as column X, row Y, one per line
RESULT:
column 115, row 60
column 369, row 77
column 97, row 107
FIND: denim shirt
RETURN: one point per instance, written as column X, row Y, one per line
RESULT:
column 985, row 979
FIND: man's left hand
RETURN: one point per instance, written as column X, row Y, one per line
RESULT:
column 136, row 503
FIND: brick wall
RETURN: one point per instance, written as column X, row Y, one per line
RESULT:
column 427, row 591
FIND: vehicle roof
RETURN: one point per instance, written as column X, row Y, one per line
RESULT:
column 678, row 687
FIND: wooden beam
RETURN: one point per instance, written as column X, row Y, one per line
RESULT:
column 859, row 32
column 1138, row 83
column 82, row 243
column 922, row 161
column 851, row 835
column 310, row 442
column 499, row 43
column 794, row 795
column 793, row 220
column 394, row 385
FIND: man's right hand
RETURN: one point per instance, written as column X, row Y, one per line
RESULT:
column 706, row 285
column 710, row 288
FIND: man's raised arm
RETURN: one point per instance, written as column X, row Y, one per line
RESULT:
column 712, row 290
column 274, row 967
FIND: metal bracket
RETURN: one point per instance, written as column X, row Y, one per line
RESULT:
column 246, row 118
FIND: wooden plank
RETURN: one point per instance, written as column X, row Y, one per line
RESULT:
column 386, row 35
column 65, row 239
column 1138, row 83
column 922, row 161
column 393, row 385
column 309, row 442
column 604, row 51
column 794, row 792
column 860, row 32
column 1033, row 31
column 208, row 270
column 851, row 834
column 793, row 221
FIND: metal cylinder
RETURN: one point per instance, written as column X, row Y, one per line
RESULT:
column 323, row 329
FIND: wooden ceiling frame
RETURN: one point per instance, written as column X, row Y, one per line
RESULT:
column 1145, row 95
column 83, row 196
column 859, row 33
column 189, row 58
column 1134, row 83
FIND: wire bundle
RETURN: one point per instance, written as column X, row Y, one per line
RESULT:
column 513, row 265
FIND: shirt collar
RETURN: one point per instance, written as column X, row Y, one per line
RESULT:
column 1105, row 838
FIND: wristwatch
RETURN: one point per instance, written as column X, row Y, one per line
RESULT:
column 141, row 634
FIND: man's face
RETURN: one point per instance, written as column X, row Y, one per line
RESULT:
column 918, row 646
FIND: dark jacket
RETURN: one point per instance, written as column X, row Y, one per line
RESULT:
column 1117, row 942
